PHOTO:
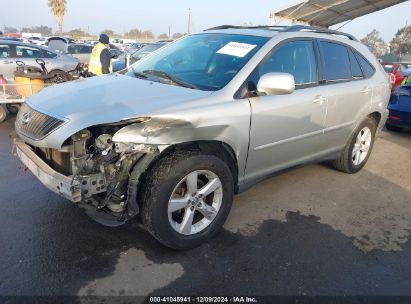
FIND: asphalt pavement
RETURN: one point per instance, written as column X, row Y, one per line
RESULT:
column 309, row 231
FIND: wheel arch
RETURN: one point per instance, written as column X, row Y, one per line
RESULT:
column 58, row 70
column 377, row 116
column 216, row 148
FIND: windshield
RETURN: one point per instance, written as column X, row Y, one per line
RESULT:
column 205, row 61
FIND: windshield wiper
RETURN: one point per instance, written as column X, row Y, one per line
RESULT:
column 161, row 74
column 138, row 74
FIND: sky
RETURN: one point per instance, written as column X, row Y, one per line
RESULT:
column 157, row 15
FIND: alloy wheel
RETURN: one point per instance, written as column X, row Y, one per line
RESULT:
column 362, row 146
column 195, row 202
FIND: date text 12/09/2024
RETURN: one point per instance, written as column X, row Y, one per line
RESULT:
column 203, row 300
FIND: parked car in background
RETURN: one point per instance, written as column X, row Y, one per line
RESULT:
column 146, row 50
column 38, row 40
column 80, row 51
column 121, row 62
column 59, row 43
column 115, row 51
column 134, row 47
column 172, row 139
column 57, row 64
column 93, row 42
column 399, row 107
column 397, row 72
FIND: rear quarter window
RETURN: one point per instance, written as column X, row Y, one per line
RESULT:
column 355, row 66
column 50, row 54
column 366, row 66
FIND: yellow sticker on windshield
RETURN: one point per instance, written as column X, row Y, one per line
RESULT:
column 236, row 49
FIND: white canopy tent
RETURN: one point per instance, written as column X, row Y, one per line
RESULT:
column 326, row 13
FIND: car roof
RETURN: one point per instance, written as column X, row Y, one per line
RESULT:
column 85, row 44
column 247, row 32
column 25, row 44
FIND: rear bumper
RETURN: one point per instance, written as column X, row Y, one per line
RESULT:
column 53, row 180
column 399, row 118
column 398, row 124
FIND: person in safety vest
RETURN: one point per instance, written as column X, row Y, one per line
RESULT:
column 100, row 60
column 407, row 80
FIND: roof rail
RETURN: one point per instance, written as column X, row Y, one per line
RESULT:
column 285, row 29
column 268, row 27
column 317, row 29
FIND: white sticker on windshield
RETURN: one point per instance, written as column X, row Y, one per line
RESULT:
column 236, row 49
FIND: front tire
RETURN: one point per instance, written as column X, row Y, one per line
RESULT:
column 13, row 108
column 358, row 149
column 186, row 199
column 3, row 112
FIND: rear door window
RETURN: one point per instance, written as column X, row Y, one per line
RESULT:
column 28, row 52
column 337, row 62
column 5, row 51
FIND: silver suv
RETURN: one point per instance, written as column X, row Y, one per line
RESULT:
column 173, row 138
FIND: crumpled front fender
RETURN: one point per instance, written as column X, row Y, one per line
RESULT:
column 169, row 131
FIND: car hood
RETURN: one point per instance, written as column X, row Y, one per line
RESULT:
column 111, row 98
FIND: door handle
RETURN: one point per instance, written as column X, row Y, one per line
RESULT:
column 366, row 90
column 7, row 62
column 319, row 99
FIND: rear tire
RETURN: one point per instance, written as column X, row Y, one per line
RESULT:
column 358, row 149
column 174, row 210
column 3, row 112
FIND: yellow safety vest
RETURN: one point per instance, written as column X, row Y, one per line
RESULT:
column 406, row 80
column 95, row 66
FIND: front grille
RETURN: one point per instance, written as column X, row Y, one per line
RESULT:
column 34, row 124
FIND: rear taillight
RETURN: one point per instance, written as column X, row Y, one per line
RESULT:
column 394, row 117
column 393, row 78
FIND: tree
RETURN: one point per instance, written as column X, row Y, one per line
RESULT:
column 133, row 34
column 77, row 34
column 375, row 43
column 147, row 34
column 42, row 29
column 58, row 8
column 109, row 33
column 178, row 35
column 401, row 43
column 163, row 36
column 10, row 29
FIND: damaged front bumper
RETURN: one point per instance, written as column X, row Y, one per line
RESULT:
column 63, row 185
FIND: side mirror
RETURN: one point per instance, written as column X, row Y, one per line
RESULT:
column 276, row 84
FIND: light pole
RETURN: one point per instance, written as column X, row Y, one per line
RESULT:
column 189, row 21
